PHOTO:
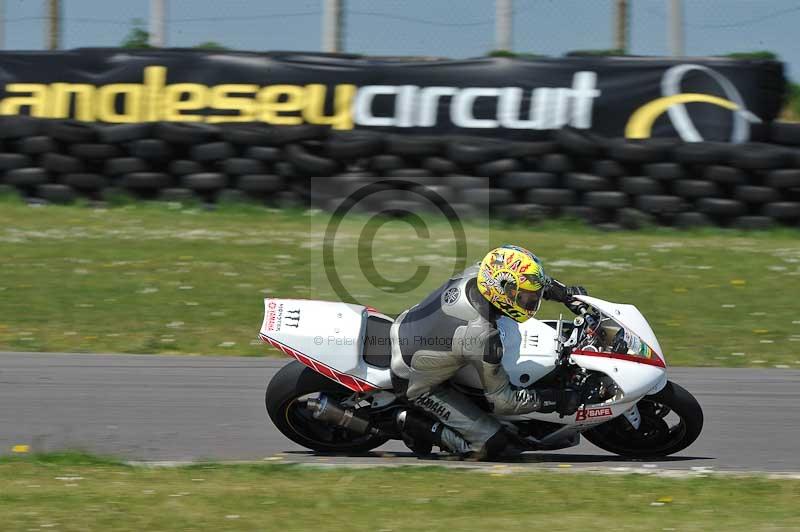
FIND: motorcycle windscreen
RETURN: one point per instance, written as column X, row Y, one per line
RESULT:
column 629, row 317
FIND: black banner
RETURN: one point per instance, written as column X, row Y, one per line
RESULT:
column 710, row 98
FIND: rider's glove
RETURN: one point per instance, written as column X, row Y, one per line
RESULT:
column 564, row 401
column 575, row 305
column 576, row 291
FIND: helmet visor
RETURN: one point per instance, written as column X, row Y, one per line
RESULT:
column 529, row 300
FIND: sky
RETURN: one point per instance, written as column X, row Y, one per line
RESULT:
column 449, row 28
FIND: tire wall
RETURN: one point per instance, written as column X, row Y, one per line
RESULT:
column 609, row 182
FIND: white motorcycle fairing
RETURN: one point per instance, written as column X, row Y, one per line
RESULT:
column 329, row 337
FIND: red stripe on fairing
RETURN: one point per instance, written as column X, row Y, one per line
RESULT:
column 655, row 361
column 353, row 383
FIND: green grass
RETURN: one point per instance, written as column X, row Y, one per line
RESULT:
column 38, row 493
column 146, row 278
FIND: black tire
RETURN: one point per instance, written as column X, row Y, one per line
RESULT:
column 659, row 204
column 386, row 163
column 439, row 165
column 556, row 163
column 309, row 163
column 125, row 165
column 282, row 135
column 259, row 184
column 261, row 134
column 242, row 166
column 420, row 175
column 286, row 169
column 608, row 168
column 211, row 151
column 704, row 153
column 186, row 132
column 725, row 175
column 721, row 207
column 578, row 142
column 555, row 197
column 249, row 134
column 757, row 195
column 785, row 178
column 11, row 161
column 585, row 182
column 205, row 182
column 36, row 145
column 119, row 133
column 640, row 185
column 654, row 437
column 689, row 220
column 85, row 181
column 496, row 168
column 61, row 164
column 56, row 193
column 413, row 146
column 665, row 171
column 95, row 151
column 469, row 151
column 459, row 182
column 72, row 131
column 18, row 126
column 636, row 151
column 755, row 156
column 351, row 145
column 151, row 149
column 486, row 197
column 693, row 188
column 526, row 180
column 145, row 181
column 437, row 194
column 267, row 154
column 284, row 407
column 609, row 199
column 181, row 167
column 782, row 210
column 532, row 149
column 26, row 177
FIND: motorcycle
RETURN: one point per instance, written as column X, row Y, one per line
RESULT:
column 337, row 395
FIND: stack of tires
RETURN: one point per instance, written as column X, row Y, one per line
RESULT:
column 609, row 182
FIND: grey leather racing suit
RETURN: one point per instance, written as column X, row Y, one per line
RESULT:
column 454, row 327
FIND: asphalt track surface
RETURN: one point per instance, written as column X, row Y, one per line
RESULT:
column 156, row 408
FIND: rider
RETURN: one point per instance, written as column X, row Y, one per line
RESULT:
column 456, row 326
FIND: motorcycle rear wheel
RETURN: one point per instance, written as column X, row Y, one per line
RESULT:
column 285, row 399
column 654, row 437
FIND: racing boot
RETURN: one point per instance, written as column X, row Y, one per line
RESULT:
column 420, row 433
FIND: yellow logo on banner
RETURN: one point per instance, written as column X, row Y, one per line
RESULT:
column 640, row 124
column 155, row 99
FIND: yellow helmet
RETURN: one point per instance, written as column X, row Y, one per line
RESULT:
column 512, row 279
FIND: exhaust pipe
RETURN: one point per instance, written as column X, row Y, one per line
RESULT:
column 324, row 410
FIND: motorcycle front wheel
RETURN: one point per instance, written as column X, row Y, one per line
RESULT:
column 286, row 397
column 671, row 421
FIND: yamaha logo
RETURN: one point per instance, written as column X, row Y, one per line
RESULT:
column 450, row 296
